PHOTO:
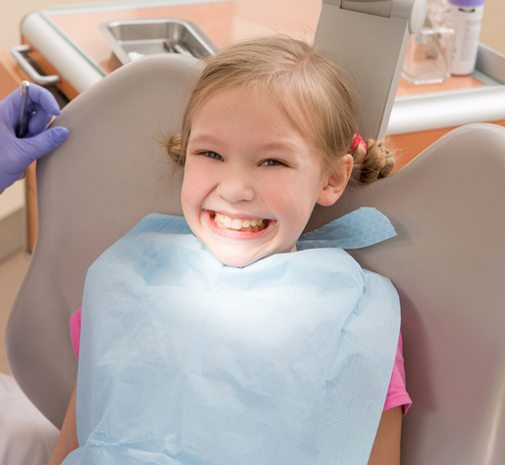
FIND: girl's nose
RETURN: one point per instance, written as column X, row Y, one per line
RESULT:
column 235, row 188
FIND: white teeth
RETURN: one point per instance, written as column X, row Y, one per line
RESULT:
column 238, row 224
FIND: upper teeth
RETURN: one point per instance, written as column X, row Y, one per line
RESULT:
column 237, row 223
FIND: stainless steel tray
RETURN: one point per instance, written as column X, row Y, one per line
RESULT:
column 133, row 39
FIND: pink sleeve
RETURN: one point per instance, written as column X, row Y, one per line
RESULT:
column 397, row 394
column 75, row 330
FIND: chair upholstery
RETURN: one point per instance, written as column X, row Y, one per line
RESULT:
column 446, row 260
column 447, row 264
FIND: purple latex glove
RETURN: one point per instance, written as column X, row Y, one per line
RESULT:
column 16, row 154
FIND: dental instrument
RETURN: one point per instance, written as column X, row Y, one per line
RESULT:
column 22, row 126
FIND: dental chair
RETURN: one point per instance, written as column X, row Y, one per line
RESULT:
column 446, row 262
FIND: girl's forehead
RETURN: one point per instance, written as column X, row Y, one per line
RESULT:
column 264, row 92
column 252, row 104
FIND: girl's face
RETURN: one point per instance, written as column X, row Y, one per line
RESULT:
column 251, row 180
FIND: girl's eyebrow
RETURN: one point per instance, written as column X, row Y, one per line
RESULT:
column 285, row 145
column 204, row 138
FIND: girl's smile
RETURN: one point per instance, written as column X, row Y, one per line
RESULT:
column 238, row 227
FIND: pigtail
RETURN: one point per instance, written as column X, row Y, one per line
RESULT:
column 174, row 148
column 372, row 161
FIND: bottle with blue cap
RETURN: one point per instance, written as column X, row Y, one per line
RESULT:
column 466, row 19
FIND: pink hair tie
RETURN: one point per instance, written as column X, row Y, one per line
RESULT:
column 358, row 140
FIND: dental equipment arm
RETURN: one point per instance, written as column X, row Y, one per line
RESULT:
column 17, row 153
column 375, row 69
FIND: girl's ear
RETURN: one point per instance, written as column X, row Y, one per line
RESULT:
column 336, row 182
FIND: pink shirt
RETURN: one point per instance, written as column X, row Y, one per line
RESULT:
column 396, row 396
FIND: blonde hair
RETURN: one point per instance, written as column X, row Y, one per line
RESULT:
column 306, row 86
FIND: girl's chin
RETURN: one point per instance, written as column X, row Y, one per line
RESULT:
column 233, row 256
column 237, row 254
column 237, row 263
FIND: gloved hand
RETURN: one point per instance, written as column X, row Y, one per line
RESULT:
column 16, row 154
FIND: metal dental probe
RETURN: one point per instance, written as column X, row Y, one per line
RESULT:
column 22, row 126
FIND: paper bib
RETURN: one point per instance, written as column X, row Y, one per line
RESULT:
column 185, row 361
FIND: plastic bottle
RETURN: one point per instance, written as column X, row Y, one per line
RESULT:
column 466, row 19
column 428, row 56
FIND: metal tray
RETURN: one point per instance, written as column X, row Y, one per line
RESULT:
column 133, row 39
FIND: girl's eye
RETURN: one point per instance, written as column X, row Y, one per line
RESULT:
column 272, row 162
column 212, row 155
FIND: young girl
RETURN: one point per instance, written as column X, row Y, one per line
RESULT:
column 239, row 343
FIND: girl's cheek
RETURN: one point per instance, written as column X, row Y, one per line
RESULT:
column 278, row 192
column 197, row 180
column 192, row 173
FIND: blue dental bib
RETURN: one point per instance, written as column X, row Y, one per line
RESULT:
column 186, row 361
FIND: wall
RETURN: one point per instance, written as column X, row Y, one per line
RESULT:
column 493, row 33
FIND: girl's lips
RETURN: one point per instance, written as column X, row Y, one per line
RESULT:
column 237, row 233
